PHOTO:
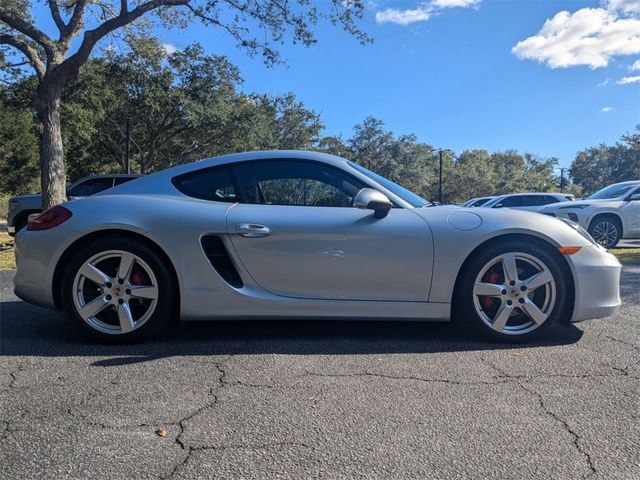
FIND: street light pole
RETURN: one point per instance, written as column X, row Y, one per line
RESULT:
column 562, row 179
column 127, row 127
column 440, row 177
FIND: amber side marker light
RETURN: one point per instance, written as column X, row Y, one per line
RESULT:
column 568, row 250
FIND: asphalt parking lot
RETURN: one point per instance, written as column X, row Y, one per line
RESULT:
column 320, row 400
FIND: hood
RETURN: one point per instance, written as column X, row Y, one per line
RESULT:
column 577, row 203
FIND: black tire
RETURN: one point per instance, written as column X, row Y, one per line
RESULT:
column 464, row 310
column 606, row 222
column 166, row 297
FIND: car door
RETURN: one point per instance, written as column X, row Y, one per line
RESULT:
column 630, row 210
column 297, row 234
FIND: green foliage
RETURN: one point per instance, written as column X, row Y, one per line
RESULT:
column 19, row 167
column 188, row 105
column 414, row 165
column 599, row 166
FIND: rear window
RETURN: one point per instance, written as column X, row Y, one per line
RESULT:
column 214, row 184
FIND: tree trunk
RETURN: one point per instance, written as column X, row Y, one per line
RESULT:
column 53, row 177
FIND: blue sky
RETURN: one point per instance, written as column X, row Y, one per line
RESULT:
column 450, row 74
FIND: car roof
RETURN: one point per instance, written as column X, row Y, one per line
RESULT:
column 259, row 155
column 533, row 193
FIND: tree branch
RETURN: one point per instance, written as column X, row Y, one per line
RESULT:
column 76, row 19
column 27, row 50
column 91, row 37
column 55, row 13
column 29, row 30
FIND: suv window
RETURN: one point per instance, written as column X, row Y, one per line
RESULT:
column 90, row 187
column 291, row 182
column 215, row 184
column 534, row 200
column 121, row 180
column 515, row 201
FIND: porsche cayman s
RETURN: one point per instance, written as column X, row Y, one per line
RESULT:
column 304, row 235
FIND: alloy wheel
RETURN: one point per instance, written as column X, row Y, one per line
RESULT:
column 514, row 293
column 115, row 292
column 605, row 232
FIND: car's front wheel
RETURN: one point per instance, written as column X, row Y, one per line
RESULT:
column 606, row 230
column 512, row 292
column 118, row 290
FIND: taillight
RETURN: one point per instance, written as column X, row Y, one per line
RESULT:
column 49, row 218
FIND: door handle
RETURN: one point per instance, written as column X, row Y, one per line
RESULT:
column 252, row 230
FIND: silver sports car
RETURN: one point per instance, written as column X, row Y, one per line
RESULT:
column 304, row 235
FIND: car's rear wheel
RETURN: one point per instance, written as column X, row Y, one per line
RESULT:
column 512, row 292
column 118, row 290
column 606, row 231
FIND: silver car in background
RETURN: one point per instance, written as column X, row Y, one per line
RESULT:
column 527, row 201
column 21, row 206
column 304, row 235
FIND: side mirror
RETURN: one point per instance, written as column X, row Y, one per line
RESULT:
column 498, row 205
column 370, row 199
column 635, row 196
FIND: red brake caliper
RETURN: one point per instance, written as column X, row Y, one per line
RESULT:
column 489, row 277
column 139, row 277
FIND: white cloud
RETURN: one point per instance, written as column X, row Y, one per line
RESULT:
column 635, row 66
column 628, row 80
column 454, row 3
column 422, row 12
column 404, row 17
column 589, row 36
column 603, row 83
column 169, row 48
column 607, row 109
column 625, row 6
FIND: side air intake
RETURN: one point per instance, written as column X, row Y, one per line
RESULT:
column 217, row 254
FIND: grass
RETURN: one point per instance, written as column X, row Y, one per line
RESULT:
column 7, row 258
column 627, row 256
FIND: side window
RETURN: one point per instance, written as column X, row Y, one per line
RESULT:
column 121, row 180
column 511, row 202
column 90, row 187
column 215, row 184
column 549, row 199
column 534, row 200
column 290, row 182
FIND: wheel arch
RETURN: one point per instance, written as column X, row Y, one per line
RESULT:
column 610, row 214
column 93, row 236
column 519, row 237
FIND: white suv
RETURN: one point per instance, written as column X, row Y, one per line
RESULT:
column 609, row 214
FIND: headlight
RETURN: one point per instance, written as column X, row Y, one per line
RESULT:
column 577, row 207
column 581, row 231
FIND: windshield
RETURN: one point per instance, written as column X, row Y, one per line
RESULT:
column 407, row 195
column 612, row 191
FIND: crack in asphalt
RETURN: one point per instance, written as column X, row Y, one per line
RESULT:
column 219, row 366
column 565, row 425
column 14, row 376
column 400, row 377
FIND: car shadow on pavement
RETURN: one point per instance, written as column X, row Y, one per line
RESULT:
column 26, row 330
